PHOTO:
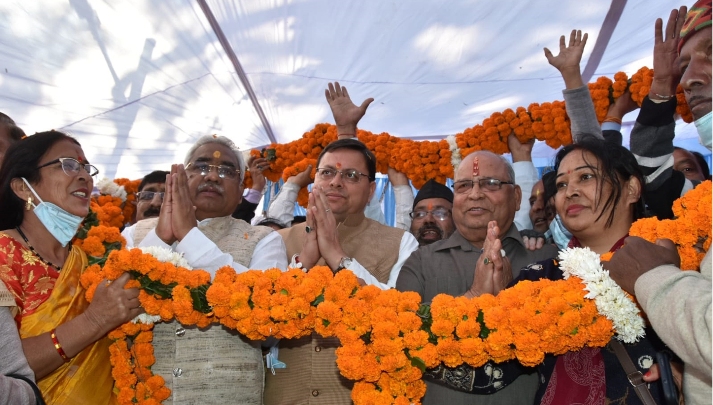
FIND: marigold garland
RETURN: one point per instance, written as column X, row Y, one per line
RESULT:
column 424, row 160
column 690, row 230
column 116, row 203
column 387, row 337
column 385, row 343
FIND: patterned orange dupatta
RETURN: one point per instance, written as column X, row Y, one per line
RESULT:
column 86, row 378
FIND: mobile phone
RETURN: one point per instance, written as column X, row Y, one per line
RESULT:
column 670, row 392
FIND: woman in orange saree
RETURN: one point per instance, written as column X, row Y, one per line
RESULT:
column 63, row 336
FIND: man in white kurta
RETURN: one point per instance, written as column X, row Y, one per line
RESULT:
column 212, row 365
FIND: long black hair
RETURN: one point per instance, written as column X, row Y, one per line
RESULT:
column 21, row 160
column 616, row 164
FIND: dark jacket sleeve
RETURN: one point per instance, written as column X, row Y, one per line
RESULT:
column 245, row 211
column 652, row 140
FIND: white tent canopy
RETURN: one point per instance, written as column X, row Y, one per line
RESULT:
column 137, row 81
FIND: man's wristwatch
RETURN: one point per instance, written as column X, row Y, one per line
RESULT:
column 343, row 264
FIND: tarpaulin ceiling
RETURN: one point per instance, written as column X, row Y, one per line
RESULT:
column 137, row 81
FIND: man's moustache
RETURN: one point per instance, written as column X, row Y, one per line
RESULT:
column 214, row 186
column 152, row 212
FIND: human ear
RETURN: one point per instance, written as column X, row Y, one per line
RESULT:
column 20, row 189
column 372, row 188
column 633, row 188
column 518, row 197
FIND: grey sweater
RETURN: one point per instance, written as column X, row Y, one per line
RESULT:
column 13, row 361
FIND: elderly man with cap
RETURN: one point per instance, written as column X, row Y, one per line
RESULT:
column 212, row 365
column 470, row 263
column 431, row 217
column 337, row 234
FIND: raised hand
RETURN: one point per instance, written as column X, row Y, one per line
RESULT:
column 164, row 228
column 622, row 106
column 569, row 58
column 346, row 114
column 397, row 178
column 183, row 214
column 256, row 166
column 302, row 179
column 521, row 152
column 667, row 73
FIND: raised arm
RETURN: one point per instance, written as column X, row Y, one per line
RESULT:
column 525, row 176
column 346, row 114
column 578, row 101
column 282, row 206
column 653, row 133
column 403, row 196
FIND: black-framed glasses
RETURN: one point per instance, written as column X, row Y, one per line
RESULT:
column 149, row 195
column 348, row 175
column 440, row 214
column 487, row 184
column 202, row 168
column 71, row 166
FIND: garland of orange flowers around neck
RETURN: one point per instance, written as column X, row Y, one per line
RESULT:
column 424, row 160
column 388, row 338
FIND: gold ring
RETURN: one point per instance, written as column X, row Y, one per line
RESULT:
column 486, row 261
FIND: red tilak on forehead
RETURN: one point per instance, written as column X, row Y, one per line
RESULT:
column 430, row 206
column 476, row 168
column 339, row 165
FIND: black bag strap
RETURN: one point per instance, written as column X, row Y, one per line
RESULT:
column 38, row 394
column 635, row 377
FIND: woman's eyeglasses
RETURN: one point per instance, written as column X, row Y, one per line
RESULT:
column 71, row 166
column 203, row 169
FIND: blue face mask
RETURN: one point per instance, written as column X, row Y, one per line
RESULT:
column 60, row 223
column 559, row 233
column 703, row 126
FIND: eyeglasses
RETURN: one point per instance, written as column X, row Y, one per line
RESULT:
column 224, row 172
column 486, row 184
column 149, row 195
column 349, row 175
column 440, row 214
column 71, row 166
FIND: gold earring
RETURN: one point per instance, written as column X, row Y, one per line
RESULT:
column 28, row 205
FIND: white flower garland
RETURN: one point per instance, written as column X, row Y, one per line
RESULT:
column 146, row 319
column 456, row 158
column 610, row 299
column 167, row 256
column 108, row 187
